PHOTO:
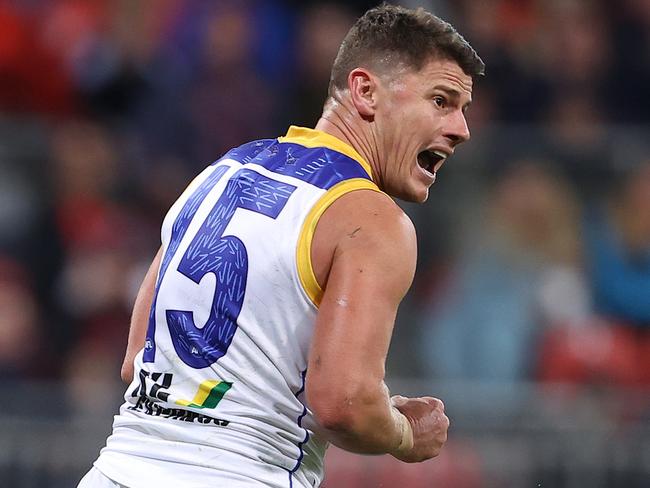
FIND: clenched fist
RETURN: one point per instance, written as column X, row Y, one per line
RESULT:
column 429, row 424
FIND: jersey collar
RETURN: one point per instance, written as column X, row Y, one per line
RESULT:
column 316, row 138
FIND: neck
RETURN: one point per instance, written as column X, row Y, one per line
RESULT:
column 345, row 124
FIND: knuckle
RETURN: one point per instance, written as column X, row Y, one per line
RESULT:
column 436, row 403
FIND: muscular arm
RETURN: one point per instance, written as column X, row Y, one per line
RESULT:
column 140, row 318
column 372, row 250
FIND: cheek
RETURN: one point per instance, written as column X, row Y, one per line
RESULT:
column 402, row 107
column 412, row 122
column 419, row 122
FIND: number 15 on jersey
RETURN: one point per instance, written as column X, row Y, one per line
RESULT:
column 210, row 251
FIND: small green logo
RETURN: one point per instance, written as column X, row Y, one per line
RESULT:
column 209, row 395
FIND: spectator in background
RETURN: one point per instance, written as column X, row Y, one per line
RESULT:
column 23, row 60
column 104, row 244
column 520, row 272
column 322, row 29
column 574, row 35
column 227, row 81
column 506, row 30
column 103, row 45
column 612, row 346
column 618, row 245
column 629, row 76
column 22, row 354
column 203, row 71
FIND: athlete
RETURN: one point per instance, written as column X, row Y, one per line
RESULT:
column 261, row 330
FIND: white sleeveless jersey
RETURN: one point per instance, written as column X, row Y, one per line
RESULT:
column 218, row 395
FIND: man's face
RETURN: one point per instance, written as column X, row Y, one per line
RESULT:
column 420, row 119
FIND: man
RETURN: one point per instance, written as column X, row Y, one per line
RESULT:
column 261, row 330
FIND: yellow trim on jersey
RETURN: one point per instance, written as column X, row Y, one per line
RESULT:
column 316, row 138
column 303, row 250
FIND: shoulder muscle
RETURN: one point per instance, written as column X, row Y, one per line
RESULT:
column 366, row 230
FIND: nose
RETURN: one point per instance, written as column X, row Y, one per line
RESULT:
column 457, row 128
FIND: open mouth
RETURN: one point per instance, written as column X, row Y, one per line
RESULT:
column 431, row 160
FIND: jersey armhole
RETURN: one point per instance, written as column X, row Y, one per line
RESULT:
column 303, row 251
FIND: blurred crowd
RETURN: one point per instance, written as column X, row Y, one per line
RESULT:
column 535, row 247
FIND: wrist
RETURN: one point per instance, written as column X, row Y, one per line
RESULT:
column 406, row 434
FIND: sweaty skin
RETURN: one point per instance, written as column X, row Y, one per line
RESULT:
column 404, row 115
column 364, row 253
column 355, row 320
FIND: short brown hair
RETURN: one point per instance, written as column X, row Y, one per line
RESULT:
column 401, row 36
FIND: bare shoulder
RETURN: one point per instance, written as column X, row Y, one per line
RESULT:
column 369, row 214
column 365, row 226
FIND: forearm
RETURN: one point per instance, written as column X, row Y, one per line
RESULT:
column 365, row 423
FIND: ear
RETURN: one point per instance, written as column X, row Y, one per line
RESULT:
column 363, row 91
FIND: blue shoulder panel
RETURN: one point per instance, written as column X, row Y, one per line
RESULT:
column 247, row 152
column 318, row 166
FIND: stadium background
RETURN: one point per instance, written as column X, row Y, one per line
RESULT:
column 530, row 310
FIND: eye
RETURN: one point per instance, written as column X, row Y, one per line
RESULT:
column 440, row 101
